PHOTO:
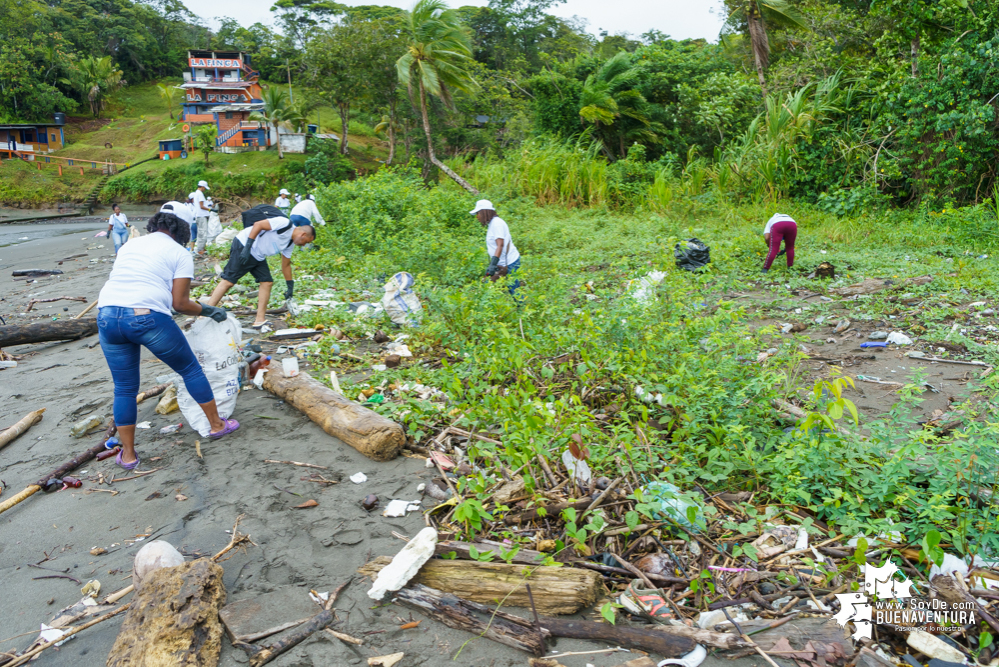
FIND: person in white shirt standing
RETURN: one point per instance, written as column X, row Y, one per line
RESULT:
column 307, row 213
column 150, row 277
column 504, row 258
column 282, row 202
column 250, row 249
column 201, row 211
column 118, row 228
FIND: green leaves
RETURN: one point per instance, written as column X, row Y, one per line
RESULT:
column 931, row 551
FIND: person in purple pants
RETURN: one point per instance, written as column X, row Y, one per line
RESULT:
column 779, row 228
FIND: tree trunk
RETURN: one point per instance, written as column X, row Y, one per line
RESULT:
column 344, row 109
column 914, row 54
column 391, row 133
column 430, row 146
column 277, row 141
column 40, row 332
column 760, row 43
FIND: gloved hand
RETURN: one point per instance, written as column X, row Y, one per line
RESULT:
column 291, row 289
column 783, row 251
column 493, row 266
column 214, row 312
column 245, row 257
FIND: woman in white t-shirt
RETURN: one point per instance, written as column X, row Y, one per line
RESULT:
column 118, row 228
column 504, row 258
column 150, row 276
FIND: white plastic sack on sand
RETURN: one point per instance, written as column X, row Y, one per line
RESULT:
column 226, row 236
column 405, row 565
column 216, row 346
column 133, row 232
column 400, row 301
column 899, row 338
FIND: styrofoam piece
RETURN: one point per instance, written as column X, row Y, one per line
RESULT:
column 405, row 564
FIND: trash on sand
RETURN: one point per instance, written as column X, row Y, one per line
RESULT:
column 934, row 647
column 334, row 382
column 173, row 428
column 400, row 301
column 842, row 326
column 85, row 425
column 91, row 589
column 168, row 402
column 100, row 234
column 786, row 328
column 291, row 334
column 692, row 659
column 873, row 344
column 8, row 364
column 153, row 556
column 405, row 564
column 370, row 502
column 258, row 379
column 306, row 504
column 216, row 347
column 50, row 634
column 35, row 273
column 393, row 361
column 441, row 459
column 664, row 502
column 359, row 478
column 398, row 508
column 691, row 254
column 400, row 349
column 707, row 620
column 915, row 354
column 878, row 335
column 289, row 365
column 899, row 338
column 385, row 660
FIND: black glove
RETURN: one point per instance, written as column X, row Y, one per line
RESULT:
column 291, row 289
column 782, row 252
column 214, row 312
column 493, row 265
column 245, row 257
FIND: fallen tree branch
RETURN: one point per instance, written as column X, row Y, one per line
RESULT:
column 14, row 432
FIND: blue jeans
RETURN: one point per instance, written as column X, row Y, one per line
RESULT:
column 299, row 220
column 119, row 239
column 122, row 333
column 511, row 269
column 194, row 231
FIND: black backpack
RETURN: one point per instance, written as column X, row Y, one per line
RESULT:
column 261, row 212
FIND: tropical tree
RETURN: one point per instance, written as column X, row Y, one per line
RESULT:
column 756, row 14
column 387, row 125
column 436, row 61
column 167, row 92
column 296, row 116
column 274, row 112
column 205, row 139
column 99, row 78
column 617, row 113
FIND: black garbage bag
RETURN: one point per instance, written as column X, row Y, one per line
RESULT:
column 692, row 254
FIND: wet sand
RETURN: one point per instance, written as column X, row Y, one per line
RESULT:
column 316, row 548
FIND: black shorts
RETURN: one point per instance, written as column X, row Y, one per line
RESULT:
column 236, row 269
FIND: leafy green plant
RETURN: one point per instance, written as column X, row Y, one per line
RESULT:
column 835, row 407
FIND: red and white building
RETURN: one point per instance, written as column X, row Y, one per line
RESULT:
column 221, row 87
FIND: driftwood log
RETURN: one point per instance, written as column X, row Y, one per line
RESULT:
column 35, row 273
column 556, row 590
column 11, row 434
column 645, row 638
column 40, row 332
column 462, row 551
column 366, row 431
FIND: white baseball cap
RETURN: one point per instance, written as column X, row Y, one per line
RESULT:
column 482, row 205
column 181, row 210
column 203, row 184
column 312, row 197
column 284, row 192
column 191, row 196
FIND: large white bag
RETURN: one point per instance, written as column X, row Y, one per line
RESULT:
column 216, row 346
column 226, row 237
column 400, row 301
column 214, row 226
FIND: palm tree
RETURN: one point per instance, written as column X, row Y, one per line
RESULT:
column 99, row 78
column 618, row 113
column 438, row 52
column 296, row 116
column 390, row 126
column 275, row 111
column 167, row 92
column 778, row 12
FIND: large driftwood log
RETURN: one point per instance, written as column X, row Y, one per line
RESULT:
column 557, row 590
column 11, row 434
column 462, row 551
column 40, row 332
column 646, row 639
column 366, row 431
column 173, row 619
column 480, row 620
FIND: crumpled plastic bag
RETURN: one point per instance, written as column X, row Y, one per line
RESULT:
column 692, row 254
column 400, row 301
column 899, row 338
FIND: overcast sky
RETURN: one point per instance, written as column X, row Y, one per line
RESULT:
column 680, row 19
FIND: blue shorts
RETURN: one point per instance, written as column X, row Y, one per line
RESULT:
column 299, row 220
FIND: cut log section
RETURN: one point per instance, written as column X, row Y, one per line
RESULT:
column 366, row 431
column 557, row 590
column 40, row 332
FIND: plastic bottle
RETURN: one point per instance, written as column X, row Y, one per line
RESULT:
column 256, row 365
column 173, row 428
column 82, row 427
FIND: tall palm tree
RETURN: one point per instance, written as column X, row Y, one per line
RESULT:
column 99, row 78
column 167, row 92
column 618, row 113
column 437, row 56
column 274, row 112
column 757, row 13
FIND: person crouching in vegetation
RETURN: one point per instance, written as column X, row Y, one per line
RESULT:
column 504, row 258
column 779, row 228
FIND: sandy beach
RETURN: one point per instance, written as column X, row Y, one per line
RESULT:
column 188, row 501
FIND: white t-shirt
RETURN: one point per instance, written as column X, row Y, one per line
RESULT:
column 144, row 272
column 778, row 217
column 498, row 229
column 282, row 202
column 199, row 198
column 118, row 222
column 308, row 209
column 269, row 242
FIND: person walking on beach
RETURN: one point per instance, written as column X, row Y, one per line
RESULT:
column 201, row 212
column 504, row 258
column 282, row 202
column 118, row 228
column 265, row 233
column 151, row 276
column 306, row 213
column 779, row 228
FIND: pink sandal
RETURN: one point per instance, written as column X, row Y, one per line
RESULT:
column 230, row 426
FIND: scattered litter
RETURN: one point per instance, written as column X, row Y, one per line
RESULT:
column 86, row 425
column 692, row 659
column 400, row 301
column 691, row 254
column 370, row 502
column 359, row 478
column 385, row 660
column 644, row 288
column 579, row 469
column 397, row 508
column 842, row 326
column 143, row 425
column 915, row 354
column 405, row 564
column 307, row 504
column 899, row 338
column 665, row 502
column 934, row 647
column 50, row 634
column 878, row 335
column 873, row 344
column 173, row 428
